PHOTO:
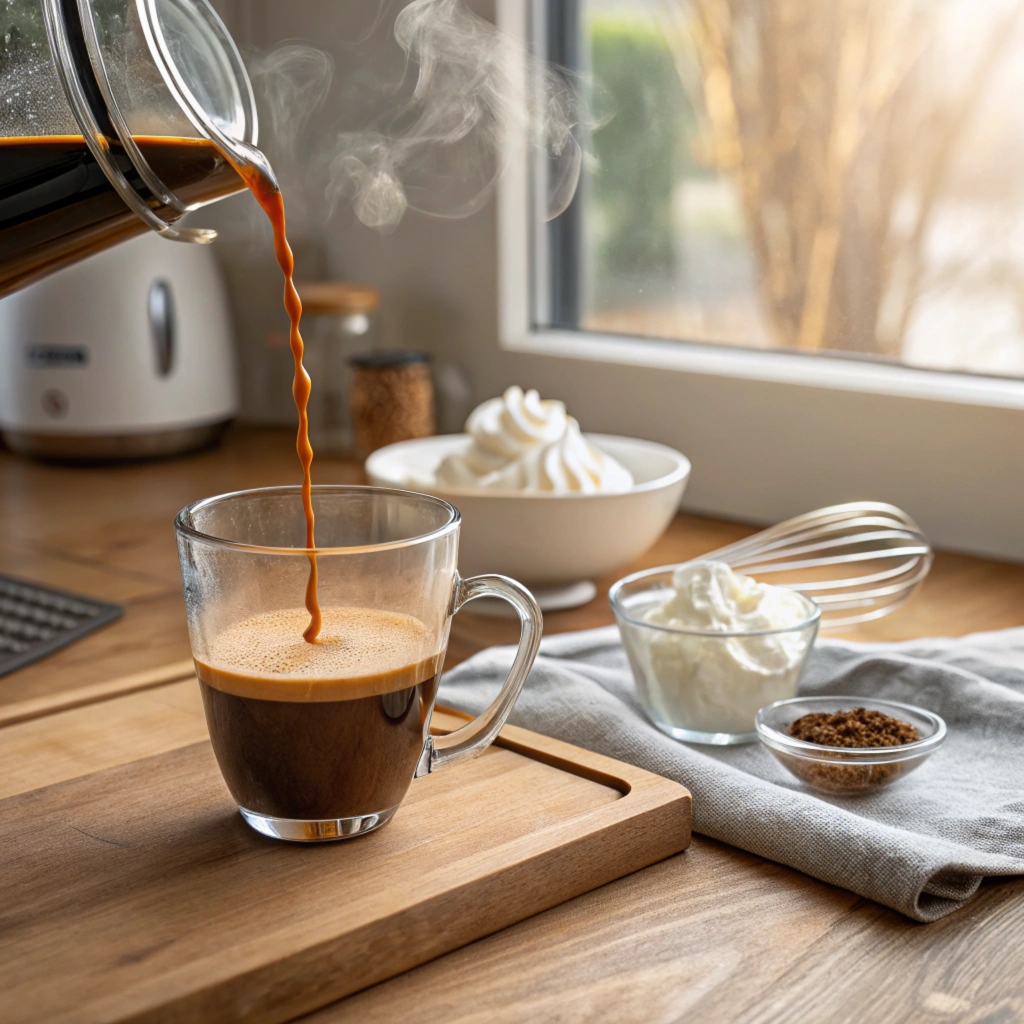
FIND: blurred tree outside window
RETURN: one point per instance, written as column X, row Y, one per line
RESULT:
column 835, row 176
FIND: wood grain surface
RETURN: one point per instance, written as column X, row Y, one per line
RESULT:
column 713, row 935
column 134, row 891
column 94, row 693
column 718, row 935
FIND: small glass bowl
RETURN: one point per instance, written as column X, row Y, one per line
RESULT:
column 704, row 686
column 847, row 771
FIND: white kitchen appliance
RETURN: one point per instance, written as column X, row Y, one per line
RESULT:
column 124, row 355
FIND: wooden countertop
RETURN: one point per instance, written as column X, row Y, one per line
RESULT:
column 716, row 934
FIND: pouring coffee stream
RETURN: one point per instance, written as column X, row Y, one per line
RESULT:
column 259, row 177
column 172, row 66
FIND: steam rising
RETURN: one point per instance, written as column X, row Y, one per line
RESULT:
column 294, row 80
column 470, row 94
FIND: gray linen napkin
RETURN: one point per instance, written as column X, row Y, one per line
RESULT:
column 922, row 846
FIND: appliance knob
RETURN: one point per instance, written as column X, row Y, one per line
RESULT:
column 162, row 325
column 55, row 403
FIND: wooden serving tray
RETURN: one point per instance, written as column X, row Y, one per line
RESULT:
column 131, row 889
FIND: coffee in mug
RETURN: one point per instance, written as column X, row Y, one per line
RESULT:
column 322, row 740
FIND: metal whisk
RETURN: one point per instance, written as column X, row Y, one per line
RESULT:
column 822, row 548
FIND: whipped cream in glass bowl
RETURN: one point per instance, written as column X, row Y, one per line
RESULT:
column 709, row 647
column 521, row 442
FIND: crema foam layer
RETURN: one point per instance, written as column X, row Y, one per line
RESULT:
column 360, row 652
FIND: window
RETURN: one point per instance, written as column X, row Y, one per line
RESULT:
column 836, row 177
column 778, row 370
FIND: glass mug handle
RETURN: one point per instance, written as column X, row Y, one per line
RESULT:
column 476, row 736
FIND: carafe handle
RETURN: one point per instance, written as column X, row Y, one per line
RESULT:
column 476, row 736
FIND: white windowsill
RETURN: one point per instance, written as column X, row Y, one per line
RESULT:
column 781, row 367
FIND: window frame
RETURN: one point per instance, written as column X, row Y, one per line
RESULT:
column 525, row 283
column 770, row 434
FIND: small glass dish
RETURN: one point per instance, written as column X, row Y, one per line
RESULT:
column 846, row 771
column 705, row 686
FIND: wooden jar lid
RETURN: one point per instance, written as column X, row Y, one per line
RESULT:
column 339, row 297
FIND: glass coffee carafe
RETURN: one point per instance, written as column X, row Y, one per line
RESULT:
column 117, row 116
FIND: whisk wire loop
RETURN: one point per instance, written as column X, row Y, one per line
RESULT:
column 851, row 534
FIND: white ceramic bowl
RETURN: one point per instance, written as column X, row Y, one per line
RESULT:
column 548, row 540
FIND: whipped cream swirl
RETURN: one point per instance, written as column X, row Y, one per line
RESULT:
column 716, row 684
column 711, row 596
column 521, row 442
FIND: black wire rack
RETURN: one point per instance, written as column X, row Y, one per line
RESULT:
column 36, row 621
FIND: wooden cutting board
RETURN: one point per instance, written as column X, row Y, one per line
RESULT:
column 131, row 889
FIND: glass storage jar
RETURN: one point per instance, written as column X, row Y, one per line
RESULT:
column 338, row 322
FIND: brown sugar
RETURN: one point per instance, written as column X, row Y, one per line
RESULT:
column 857, row 728
column 392, row 399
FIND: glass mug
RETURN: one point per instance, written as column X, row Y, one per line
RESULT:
column 321, row 741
